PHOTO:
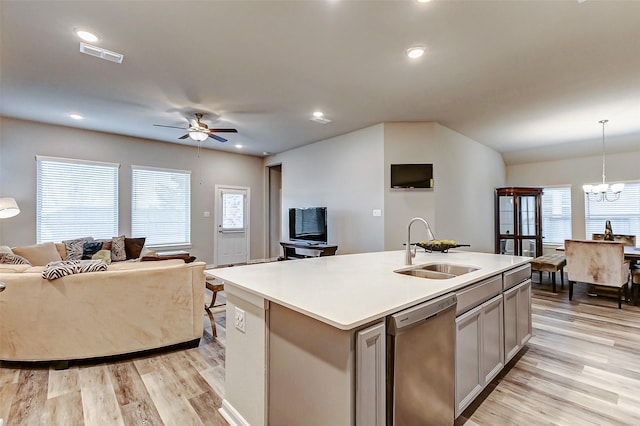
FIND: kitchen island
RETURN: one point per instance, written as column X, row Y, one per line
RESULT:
column 294, row 327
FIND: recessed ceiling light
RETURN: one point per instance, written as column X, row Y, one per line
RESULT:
column 318, row 114
column 424, row 1
column 76, row 116
column 86, row 35
column 415, row 52
column 238, row 146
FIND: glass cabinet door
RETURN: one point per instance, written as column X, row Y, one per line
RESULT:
column 528, row 215
column 506, row 214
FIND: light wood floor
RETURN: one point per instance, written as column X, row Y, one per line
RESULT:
column 581, row 367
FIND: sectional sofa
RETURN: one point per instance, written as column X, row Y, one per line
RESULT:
column 129, row 307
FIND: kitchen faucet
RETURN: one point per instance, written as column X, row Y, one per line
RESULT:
column 408, row 254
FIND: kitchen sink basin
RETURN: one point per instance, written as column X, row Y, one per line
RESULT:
column 436, row 271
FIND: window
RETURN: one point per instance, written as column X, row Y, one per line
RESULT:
column 623, row 213
column 75, row 199
column 161, row 206
column 556, row 214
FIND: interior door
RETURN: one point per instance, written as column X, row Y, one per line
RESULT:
column 232, row 225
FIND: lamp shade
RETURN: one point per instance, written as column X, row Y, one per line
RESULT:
column 8, row 207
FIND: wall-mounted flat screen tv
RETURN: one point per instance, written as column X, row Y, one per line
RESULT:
column 412, row 176
column 308, row 224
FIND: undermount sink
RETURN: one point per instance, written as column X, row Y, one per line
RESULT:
column 436, row 271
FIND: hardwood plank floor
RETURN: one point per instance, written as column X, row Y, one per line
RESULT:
column 581, row 367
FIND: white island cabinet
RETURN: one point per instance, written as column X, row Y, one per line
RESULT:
column 305, row 339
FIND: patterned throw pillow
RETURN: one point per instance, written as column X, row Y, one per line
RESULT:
column 118, row 252
column 75, row 247
column 13, row 259
column 63, row 268
column 90, row 248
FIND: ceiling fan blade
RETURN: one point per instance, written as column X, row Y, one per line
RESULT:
column 216, row 137
column 223, row 130
column 184, row 137
column 172, row 127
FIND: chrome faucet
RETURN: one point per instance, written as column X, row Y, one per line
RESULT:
column 409, row 254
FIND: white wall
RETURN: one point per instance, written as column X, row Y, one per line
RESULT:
column 461, row 204
column 350, row 175
column 575, row 172
column 345, row 175
column 23, row 140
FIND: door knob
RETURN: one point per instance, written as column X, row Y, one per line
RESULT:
column 2, row 287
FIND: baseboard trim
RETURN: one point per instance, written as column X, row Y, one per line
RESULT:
column 231, row 415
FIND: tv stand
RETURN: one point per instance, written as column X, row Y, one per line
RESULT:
column 301, row 250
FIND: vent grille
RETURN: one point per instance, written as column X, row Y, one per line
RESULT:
column 101, row 53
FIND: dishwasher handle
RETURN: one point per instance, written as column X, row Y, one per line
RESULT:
column 415, row 315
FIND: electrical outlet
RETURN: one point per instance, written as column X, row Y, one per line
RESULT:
column 377, row 212
column 239, row 319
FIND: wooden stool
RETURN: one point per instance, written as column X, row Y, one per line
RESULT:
column 215, row 288
column 551, row 263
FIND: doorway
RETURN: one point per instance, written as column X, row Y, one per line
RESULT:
column 275, row 210
column 231, row 237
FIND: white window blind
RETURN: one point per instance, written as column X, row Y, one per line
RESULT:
column 161, row 206
column 76, row 199
column 556, row 214
column 623, row 213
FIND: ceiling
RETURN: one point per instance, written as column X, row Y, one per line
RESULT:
column 516, row 76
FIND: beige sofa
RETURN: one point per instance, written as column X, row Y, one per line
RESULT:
column 133, row 306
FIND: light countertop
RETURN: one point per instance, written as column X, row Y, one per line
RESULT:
column 347, row 291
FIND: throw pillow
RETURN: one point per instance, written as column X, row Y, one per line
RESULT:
column 103, row 255
column 133, row 247
column 106, row 244
column 63, row 268
column 39, row 254
column 75, row 247
column 13, row 259
column 90, row 248
column 118, row 252
column 6, row 249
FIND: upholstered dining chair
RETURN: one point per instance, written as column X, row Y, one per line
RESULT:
column 597, row 262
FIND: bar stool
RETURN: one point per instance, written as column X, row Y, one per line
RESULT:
column 211, row 308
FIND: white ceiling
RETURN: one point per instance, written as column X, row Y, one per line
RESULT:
column 516, row 76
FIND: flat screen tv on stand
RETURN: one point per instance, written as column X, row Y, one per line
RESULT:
column 308, row 225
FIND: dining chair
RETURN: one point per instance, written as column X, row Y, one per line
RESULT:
column 597, row 262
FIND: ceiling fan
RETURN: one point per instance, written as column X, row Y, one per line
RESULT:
column 199, row 131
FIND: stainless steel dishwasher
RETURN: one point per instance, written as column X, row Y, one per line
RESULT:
column 421, row 364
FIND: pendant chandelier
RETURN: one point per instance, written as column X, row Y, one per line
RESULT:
column 601, row 192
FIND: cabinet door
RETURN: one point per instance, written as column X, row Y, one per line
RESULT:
column 517, row 318
column 370, row 376
column 469, row 379
column 523, row 323
column 511, row 342
column 492, row 339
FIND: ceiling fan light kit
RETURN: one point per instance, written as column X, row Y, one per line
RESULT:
column 198, row 136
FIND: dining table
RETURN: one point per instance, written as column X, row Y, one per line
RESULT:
column 630, row 252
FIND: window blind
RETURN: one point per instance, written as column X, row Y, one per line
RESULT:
column 75, row 199
column 623, row 213
column 161, row 206
column 556, row 214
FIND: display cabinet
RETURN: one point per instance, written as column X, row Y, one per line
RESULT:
column 518, row 217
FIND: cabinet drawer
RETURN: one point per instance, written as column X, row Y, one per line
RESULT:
column 475, row 294
column 516, row 275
